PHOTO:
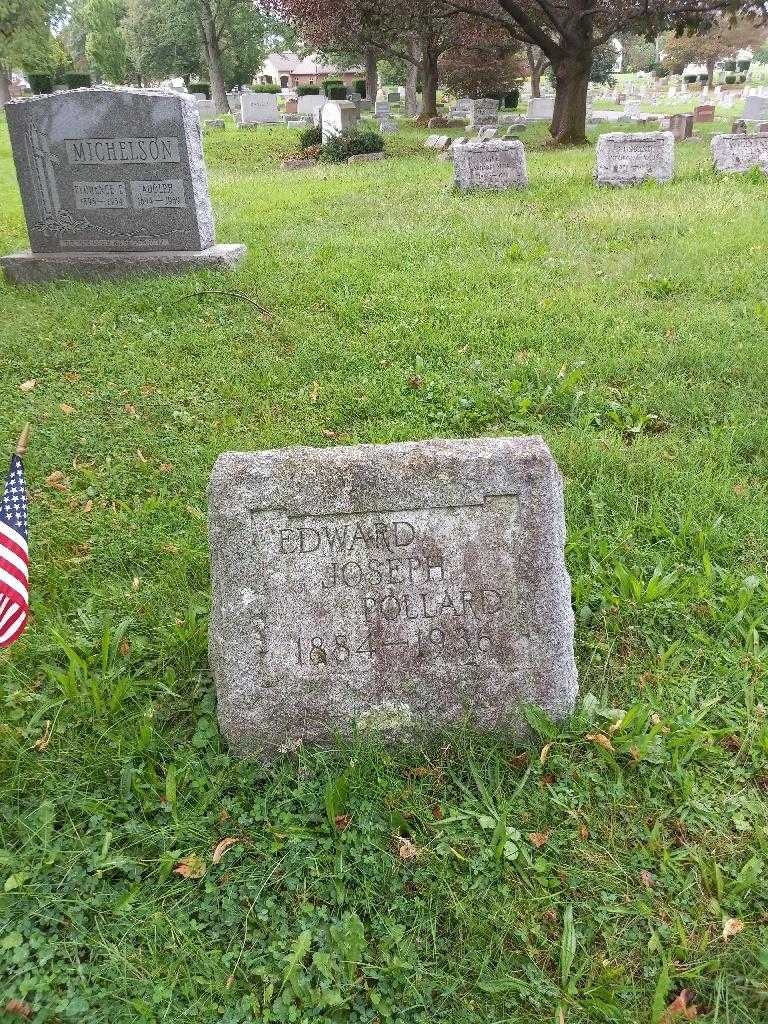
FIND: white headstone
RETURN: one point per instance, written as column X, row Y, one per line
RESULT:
column 309, row 104
column 540, row 108
column 755, row 108
column 259, row 108
column 337, row 116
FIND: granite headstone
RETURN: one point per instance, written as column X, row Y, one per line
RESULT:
column 628, row 159
column 738, row 152
column 394, row 588
column 338, row 115
column 113, row 183
column 258, row 108
column 496, row 164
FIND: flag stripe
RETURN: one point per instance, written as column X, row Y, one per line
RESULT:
column 7, row 609
column 11, row 562
column 12, row 588
column 15, row 630
column 11, row 539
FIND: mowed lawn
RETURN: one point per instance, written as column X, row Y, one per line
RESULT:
column 594, row 874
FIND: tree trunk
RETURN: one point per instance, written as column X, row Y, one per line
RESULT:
column 428, row 83
column 710, row 72
column 5, row 86
column 534, row 66
column 569, row 120
column 213, row 58
column 371, row 73
column 412, row 80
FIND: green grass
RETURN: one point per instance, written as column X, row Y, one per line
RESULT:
column 628, row 327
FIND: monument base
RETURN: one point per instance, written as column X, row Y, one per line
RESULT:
column 39, row 267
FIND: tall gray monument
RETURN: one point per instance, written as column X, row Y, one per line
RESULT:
column 397, row 587
column 113, row 184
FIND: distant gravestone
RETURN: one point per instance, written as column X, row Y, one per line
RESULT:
column 393, row 97
column 338, row 115
column 258, row 108
column 440, row 142
column 113, row 184
column 388, row 125
column 736, row 153
column 495, row 165
column 755, row 108
column 635, row 157
column 381, row 108
column 291, row 106
column 540, row 108
column 739, row 128
column 483, row 113
column 307, row 105
column 704, row 113
column 681, row 126
column 388, row 588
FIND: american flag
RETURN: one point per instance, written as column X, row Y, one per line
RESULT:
column 14, row 557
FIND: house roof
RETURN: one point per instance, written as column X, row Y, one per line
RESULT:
column 309, row 65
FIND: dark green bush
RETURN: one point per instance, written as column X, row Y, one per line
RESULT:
column 307, row 90
column 704, row 79
column 40, row 84
column 350, row 142
column 689, row 79
column 359, row 86
column 338, row 92
column 310, row 136
column 730, row 79
column 200, row 87
column 511, row 99
column 76, row 80
column 332, row 83
column 266, row 88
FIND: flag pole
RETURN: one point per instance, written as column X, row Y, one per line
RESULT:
column 21, row 447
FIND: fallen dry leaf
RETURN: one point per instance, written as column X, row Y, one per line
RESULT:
column 647, row 879
column 57, row 480
column 437, row 812
column 222, row 846
column 406, row 850
column 136, row 583
column 140, row 455
column 190, row 867
column 19, row 1008
column 67, row 409
column 342, row 822
column 636, row 753
column 583, row 831
column 125, row 648
column 679, row 1009
column 224, row 814
column 600, row 739
column 732, row 927
column 538, row 839
column 329, row 433
column 88, row 506
column 544, row 753
column 230, row 981
column 166, row 467
column 28, row 385
column 42, row 742
column 740, row 489
column 130, row 409
column 416, row 381
column 314, row 392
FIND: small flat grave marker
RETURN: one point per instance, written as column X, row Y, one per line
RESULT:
column 391, row 587
column 738, row 152
column 628, row 159
column 496, row 165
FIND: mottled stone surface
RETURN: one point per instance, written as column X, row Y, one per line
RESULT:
column 259, row 108
column 738, row 152
column 496, row 164
column 681, row 126
column 401, row 586
column 440, row 142
column 118, row 170
column 337, row 116
column 482, row 112
column 38, row 268
column 540, row 108
column 628, row 159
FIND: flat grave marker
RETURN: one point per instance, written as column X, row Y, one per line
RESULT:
column 634, row 157
column 396, row 587
column 495, row 164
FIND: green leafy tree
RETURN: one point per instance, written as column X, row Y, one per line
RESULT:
column 163, row 39
column 25, row 38
column 106, row 52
